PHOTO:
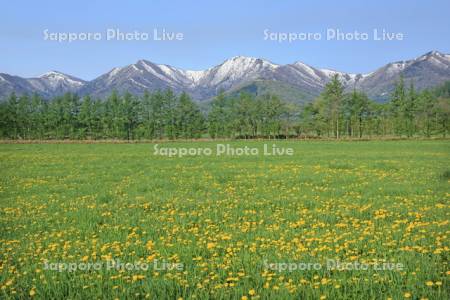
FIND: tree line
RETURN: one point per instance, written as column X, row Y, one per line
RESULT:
column 165, row 115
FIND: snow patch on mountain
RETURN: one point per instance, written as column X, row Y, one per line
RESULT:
column 237, row 68
column 195, row 76
column 55, row 78
column 395, row 68
column 307, row 69
column 114, row 72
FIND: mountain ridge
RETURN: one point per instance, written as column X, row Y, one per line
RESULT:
column 427, row 70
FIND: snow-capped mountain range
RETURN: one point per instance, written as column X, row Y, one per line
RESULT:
column 298, row 82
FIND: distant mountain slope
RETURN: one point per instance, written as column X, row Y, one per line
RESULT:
column 285, row 91
column 295, row 82
column 49, row 84
column 428, row 70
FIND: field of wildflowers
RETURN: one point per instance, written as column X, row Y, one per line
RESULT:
column 89, row 221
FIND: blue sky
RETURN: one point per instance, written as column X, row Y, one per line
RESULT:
column 214, row 31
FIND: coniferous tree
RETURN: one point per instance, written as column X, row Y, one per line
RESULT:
column 189, row 120
column 332, row 98
column 219, row 118
column 12, row 115
column 129, row 114
column 86, row 117
column 398, row 103
column 409, row 110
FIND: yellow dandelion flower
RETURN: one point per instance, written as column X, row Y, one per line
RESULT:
column 252, row 292
column 150, row 258
column 407, row 295
column 137, row 277
column 429, row 283
column 149, row 245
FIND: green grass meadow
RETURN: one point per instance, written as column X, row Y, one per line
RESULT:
column 224, row 219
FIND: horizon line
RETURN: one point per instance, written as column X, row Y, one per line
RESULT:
column 222, row 62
